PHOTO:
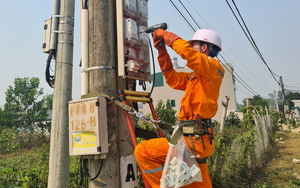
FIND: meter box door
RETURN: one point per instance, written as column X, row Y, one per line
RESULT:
column 88, row 126
column 47, row 35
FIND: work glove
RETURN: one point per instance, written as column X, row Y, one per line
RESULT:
column 163, row 56
column 168, row 37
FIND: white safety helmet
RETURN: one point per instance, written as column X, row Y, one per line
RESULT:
column 209, row 36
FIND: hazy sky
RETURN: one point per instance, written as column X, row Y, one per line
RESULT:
column 274, row 25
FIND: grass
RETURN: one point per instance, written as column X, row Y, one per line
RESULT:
column 280, row 167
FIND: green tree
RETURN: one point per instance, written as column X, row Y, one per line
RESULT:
column 232, row 120
column 165, row 113
column 262, row 102
column 48, row 101
column 22, row 108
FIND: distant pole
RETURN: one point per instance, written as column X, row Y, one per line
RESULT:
column 276, row 101
column 225, row 104
column 59, row 143
column 247, row 102
column 285, row 108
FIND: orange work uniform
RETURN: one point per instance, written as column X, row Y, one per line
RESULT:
column 201, row 94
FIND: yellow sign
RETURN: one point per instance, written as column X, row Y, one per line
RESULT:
column 84, row 142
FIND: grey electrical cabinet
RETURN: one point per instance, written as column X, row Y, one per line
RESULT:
column 47, row 35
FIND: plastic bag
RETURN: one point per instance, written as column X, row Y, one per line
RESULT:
column 181, row 168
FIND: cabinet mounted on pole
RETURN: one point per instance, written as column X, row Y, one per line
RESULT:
column 133, row 43
column 88, row 127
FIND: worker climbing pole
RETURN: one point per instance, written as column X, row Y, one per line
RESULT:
column 198, row 105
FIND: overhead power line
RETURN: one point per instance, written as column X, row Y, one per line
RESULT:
column 248, row 87
column 233, row 54
column 251, row 40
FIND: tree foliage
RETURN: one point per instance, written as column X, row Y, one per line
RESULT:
column 23, row 109
column 257, row 100
column 232, row 120
column 165, row 113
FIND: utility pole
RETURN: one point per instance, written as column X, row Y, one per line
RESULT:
column 59, row 143
column 285, row 108
column 276, row 101
column 102, row 54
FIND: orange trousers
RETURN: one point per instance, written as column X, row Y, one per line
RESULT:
column 151, row 155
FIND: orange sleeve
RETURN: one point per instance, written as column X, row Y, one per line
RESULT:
column 176, row 80
column 198, row 62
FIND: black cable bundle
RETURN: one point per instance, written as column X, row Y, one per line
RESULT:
column 50, row 78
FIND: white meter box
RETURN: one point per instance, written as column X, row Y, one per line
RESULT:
column 130, row 31
column 88, row 126
column 142, row 9
column 130, row 7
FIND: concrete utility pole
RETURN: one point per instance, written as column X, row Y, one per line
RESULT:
column 59, row 144
column 285, row 107
column 225, row 104
column 102, row 53
column 276, row 101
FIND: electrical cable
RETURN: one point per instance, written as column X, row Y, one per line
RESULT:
column 251, row 41
column 189, row 14
column 251, row 36
column 86, row 171
column 253, row 92
column 49, row 78
column 231, row 52
column 153, row 66
column 220, row 54
column 182, row 15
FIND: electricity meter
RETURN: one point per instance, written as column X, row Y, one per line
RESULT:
column 130, row 7
column 130, row 31
column 142, row 10
column 143, row 37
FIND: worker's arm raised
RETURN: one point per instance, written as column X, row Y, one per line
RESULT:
column 176, row 80
column 198, row 62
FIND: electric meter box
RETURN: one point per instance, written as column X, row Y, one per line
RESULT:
column 142, row 10
column 130, row 31
column 143, row 37
column 88, row 126
column 47, row 35
column 130, row 7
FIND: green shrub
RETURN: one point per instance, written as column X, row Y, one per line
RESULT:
column 232, row 120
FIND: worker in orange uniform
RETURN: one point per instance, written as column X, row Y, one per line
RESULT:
column 201, row 88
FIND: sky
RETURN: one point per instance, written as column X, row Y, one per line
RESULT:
column 274, row 25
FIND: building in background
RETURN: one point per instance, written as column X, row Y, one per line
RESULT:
column 295, row 111
column 163, row 91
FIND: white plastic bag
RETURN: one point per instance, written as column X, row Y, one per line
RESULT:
column 180, row 167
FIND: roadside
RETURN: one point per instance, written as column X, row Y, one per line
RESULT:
column 281, row 171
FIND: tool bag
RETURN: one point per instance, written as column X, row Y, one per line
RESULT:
column 181, row 167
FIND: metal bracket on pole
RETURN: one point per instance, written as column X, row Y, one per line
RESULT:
column 67, row 32
column 63, row 41
column 67, row 22
column 62, row 16
column 97, row 67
